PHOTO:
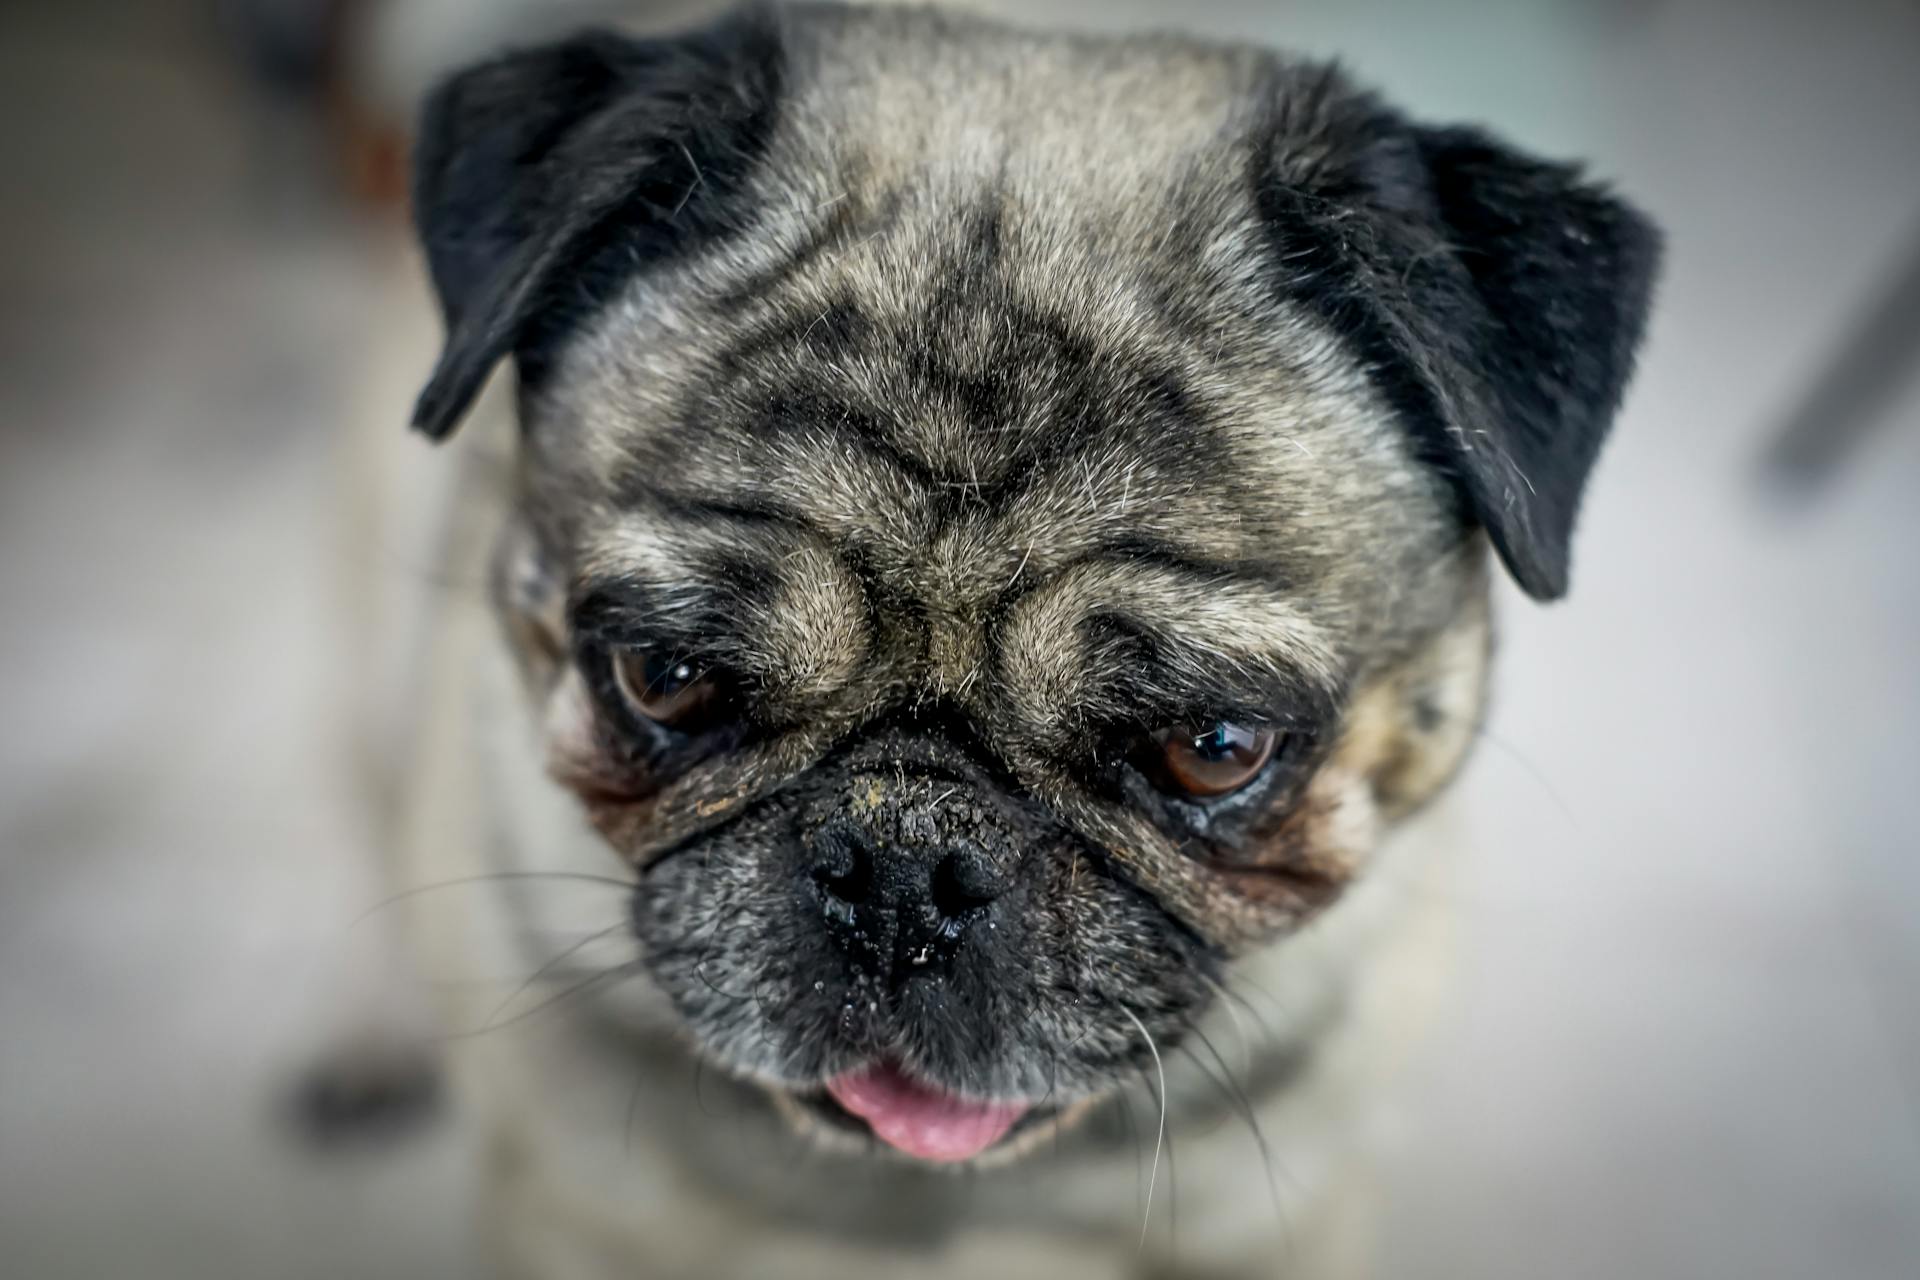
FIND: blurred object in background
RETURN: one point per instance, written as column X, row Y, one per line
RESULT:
column 305, row 54
column 362, row 66
column 290, row 45
column 1860, row 390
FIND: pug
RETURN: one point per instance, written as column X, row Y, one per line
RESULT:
column 993, row 554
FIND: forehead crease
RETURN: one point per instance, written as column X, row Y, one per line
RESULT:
column 1243, row 623
column 1091, row 498
column 976, row 397
column 793, row 611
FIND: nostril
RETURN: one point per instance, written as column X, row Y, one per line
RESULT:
column 963, row 882
column 843, row 866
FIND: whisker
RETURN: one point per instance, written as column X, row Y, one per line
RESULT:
column 1173, row 1200
column 1133, row 1135
column 1053, row 1087
column 1267, row 1035
column 582, row 877
column 385, row 558
column 1232, row 1009
column 1161, row 1139
column 1053, row 1080
column 1232, row 1112
column 633, row 1108
column 626, row 970
column 700, row 972
column 1224, row 1081
column 553, row 964
column 1173, row 1204
column 1273, row 1002
column 1245, row 1104
column 1534, row 771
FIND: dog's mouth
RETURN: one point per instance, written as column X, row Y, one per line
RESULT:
column 917, row 1118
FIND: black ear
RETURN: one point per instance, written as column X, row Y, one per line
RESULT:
column 1497, row 300
column 1562, row 275
column 545, row 178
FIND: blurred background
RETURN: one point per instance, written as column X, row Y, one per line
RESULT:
column 1686, row 1040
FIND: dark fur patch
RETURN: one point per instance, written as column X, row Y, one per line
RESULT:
column 1495, row 299
column 547, row 178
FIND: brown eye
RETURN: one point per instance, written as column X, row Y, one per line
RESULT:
column 1220, row 758
column 670, row 691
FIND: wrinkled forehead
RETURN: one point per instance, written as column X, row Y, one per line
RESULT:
column 951, row 418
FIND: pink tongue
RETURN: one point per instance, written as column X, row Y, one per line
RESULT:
column 913, row 1118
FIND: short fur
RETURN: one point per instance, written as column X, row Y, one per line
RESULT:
column 978, row 403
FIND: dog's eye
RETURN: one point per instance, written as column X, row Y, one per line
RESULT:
column 1220, row 758
column 669, row 691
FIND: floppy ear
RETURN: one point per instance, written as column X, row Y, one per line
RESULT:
column 546, row 177
column 1497, row 300
column 1562, row 274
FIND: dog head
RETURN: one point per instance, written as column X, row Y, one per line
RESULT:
column 1003, row 520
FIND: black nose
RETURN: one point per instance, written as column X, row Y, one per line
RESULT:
column 898, row 906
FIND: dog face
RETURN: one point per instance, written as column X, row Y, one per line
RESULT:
column 1003, row 519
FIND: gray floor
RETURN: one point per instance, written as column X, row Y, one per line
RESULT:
column 1687, row 1041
